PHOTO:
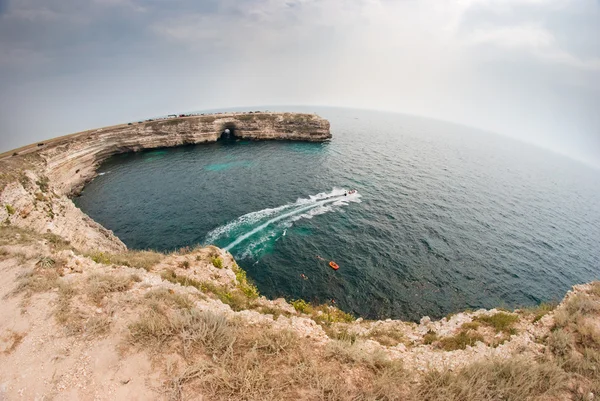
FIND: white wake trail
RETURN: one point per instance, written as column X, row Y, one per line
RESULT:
column 339, row 199
column 257, row 221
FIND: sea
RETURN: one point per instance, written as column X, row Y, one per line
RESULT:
column 444, row 218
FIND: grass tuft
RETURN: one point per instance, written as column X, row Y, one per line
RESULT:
column 140, row 259
column 501, row 321
column 10, row 209
column 461, row 340
column 217, row 262
column 514, row 379
column 100, row 285
column 386, row 336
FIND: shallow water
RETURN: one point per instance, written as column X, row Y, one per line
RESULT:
column 446, row 217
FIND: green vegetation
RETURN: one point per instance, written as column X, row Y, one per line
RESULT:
column 10, row 209
column 302, row 306
column 217, row 262
column 140, row 259
column 237, row 298
column 244, row 284
column 501, row 322
column 322, row 314
column 43, row 183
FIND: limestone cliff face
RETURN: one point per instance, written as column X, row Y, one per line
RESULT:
column 37, row 179
column 72, row 161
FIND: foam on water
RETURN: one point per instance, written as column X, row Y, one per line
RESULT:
column 254, row 225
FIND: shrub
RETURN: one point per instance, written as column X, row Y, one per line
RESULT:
column 185, row 281
column 329, row 314
column 430, row 337
column 244, row 284
column 302, row 306
column 46, row 262
column 43, row 183
column 184, row 265
column 217, row 262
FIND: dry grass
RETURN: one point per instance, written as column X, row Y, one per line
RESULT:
column 322, row 314
column 78, row 320
column 501, row 322
column 540, row 310
column 158, row 328
column 430, row 337
column 276, row 312
column 575, row 341
column 101, row 285
column 263, row 364
column 141, row 259
column 236, row 298
column 509, row 380
column 11, row 235
column 43, row 277
column 460, row 340
column 169, row 297
column 386, row 336
column 341, row 333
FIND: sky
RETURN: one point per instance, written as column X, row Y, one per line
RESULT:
column 529, row 69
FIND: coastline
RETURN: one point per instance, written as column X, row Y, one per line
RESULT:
column 44, row 234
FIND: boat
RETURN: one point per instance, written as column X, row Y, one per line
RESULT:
column 334, row 265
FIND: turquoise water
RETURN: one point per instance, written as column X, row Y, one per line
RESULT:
column 445, row 217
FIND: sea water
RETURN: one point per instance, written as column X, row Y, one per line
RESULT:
column 445, row 217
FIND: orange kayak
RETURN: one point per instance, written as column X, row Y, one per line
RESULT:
column 334, row 265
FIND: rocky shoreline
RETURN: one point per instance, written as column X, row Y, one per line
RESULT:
column 83, row 317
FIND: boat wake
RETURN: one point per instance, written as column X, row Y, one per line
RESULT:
column 255, row 230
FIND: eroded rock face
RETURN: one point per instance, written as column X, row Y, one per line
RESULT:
column 37, row 181
column 73, row 161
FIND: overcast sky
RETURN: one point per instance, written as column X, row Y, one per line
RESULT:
column 524, row 68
